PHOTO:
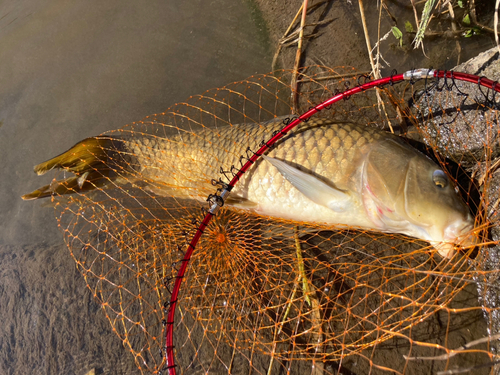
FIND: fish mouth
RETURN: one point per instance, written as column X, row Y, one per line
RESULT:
column 454, row 239
column 464, row 237
column 446, row 249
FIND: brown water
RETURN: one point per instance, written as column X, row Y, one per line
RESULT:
column 71, row 70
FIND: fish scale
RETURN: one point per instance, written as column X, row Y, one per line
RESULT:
column 184, row 165
column 322, row 172
column 196, row 158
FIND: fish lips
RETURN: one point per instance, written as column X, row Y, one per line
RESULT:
column 456, row 236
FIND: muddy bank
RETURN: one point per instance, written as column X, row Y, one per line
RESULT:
column 335, row 37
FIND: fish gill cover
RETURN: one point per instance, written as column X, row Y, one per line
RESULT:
column 270, row 296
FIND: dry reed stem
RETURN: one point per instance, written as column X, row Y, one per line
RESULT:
column 347, row 75
column 375, row 71
column 312, row 301
column 496, row 24
column 286, row 35
column 377, row 58
column 454, row 28
column 294, row 83
column 375, row 67
column 280, row 44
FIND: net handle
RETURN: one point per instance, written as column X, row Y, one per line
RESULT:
column 219, row 200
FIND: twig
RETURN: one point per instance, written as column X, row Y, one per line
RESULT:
column 454, row 352
column 415, row 13
column 485, row 28
column 288, row 41
column 280, row 44
column 444, row 34
column 334, row 77
column 454, row 28
column 319, row 367
column 472, row 12
column 277, row 331
column 489, row 170
column 468, row 370
column 384, row 5
column 312, row 301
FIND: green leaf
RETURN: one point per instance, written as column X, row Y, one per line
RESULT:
column 460, row 3
column 408, row 27
column 398, row 35
column 472, row 31
column 466, row 20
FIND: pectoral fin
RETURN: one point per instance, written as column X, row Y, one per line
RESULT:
column 312, row 187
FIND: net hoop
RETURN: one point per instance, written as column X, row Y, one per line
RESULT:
column 217, row 200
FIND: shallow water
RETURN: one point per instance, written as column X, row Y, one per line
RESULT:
column 71, row 70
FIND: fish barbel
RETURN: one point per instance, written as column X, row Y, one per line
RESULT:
column 322, row 172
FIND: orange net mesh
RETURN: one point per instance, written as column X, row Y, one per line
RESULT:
column 269, row 296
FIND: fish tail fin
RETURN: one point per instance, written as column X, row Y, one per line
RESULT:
column 95, row 162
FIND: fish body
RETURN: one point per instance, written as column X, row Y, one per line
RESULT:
column 327, row 151
column 323, row 172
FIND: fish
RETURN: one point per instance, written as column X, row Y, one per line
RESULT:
column 324, row 171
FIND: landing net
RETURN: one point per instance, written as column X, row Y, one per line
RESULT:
column 269, row 296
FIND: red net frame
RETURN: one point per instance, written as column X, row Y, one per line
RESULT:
column 116, row 236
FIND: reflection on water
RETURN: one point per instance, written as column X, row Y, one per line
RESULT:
column 71, row 70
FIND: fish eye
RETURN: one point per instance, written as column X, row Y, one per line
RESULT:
column 439, row 178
